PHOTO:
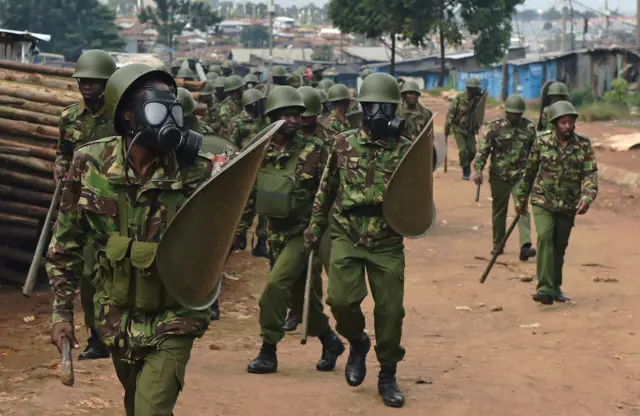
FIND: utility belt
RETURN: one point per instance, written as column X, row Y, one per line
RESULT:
column 365, row 211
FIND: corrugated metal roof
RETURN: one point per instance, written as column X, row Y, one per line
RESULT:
column 243, row 55
column 28, row 35
column 371, row 54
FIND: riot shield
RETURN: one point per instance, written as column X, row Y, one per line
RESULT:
column 355, row 118
column 195, row 246
column 480, row 109
column 217, row 145
column 408, row 200
column 544, row 102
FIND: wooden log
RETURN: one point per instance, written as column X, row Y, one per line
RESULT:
column 20, row 232
column 22, row 209
column 12, row 276
column 40, row 80
column 22, row 128
column 20, row 194
column 30, row 116
column 36, row 69
column 53, row 110
column 18, row 220
column 39, row 96
column 9, row 177
column 28, row 162
column 194, row 86
column 17, row 255
column 46, row 153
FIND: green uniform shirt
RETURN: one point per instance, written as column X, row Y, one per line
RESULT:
column 460, row 115
column 89, row 205
column 79, row 126
column 244, row 127
column 560, row 176
column 416, row 118
column 353, row 185
column 229, row 108
column 509, row 147
column 334, row 123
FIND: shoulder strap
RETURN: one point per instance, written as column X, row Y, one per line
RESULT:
column 123, row 212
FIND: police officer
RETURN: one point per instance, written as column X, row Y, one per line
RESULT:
column 80, row 124
column 250, row 81
column 324, row 99
column 191, row 122
column 414, row 113
column 232, row 104
column 557, row 92
column 317, row 75
column 339, row 99
column 227, row 68
column 325, row 84
column 185, row 73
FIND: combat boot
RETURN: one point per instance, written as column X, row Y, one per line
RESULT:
column 332, row 348
column 96, row 349
column 261, row 250
column 266, row 362
column 561, row 297
column 241, row 242
column 215, row 310
column 544, row 298
column 388, row 386
column 356, row 369
column 466, row 172
column 292, row 322
column 526, row 252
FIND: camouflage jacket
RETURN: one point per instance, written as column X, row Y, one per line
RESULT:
column 244, row 128
column 460, row 116
column 79, row 126
column 416, row 119
column 353, row 186
column 509, row 147
column 229, row 108
column 312, row 158
column 89, row 206
column 334, row 123
column 560, row 177
column 544, row 120
column 203, row 127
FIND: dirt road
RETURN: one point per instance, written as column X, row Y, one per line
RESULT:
column 574, row 359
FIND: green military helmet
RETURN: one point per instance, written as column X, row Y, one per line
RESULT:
column 325, row 84
column 255, row 71
column 227, row 65
column 232, row 83
column 317, row 68
column 473, row 82
column 251, row 79
column 120, row 82
column 558, row 88
column 176, row 64
column 365, row 73
column 208, row 89
column 300, row 71
column 324, row 97
column 410, row 86
column 251, row 96
column 211, row 76
column 219, row 82
column 284, row 96
column 561, row 109
column 95, row 64
column 216, row 69
column 186, row 99
column 380, row 87
column 164, row 68
column 279, row 71
column 514, row 104
column 338, row 92
column 185, row 73
column 312, row 101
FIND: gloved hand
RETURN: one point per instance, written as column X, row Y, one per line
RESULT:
column 311, row 242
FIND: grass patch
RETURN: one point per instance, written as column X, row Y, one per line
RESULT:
column 435, row 92
column 492, row 102
column 603, row 111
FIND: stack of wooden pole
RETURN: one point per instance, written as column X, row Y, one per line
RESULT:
column 32, row 98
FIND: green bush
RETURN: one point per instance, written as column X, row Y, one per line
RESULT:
column 619, row 93
column 492, row 102
column 603, row 111
column 582, row 97
column 435, row 92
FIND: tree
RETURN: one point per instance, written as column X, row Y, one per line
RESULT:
column 171, row 17
column 74, row 25
column 254, row 36
column 323, row 53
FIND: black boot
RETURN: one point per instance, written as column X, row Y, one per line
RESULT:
column 332, row 348
column 241, row 242
column 561, row 297
column 388, row 387
column 466, row 172
column 215, row 310
column 526, row 252
column 292, row 322
column 544, row 298
column 356, row 368
column 96, row 349
column 260, row 250
column 266, row 362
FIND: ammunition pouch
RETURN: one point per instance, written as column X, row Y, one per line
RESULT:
column 276, row 193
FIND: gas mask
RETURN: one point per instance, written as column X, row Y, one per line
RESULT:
column 158, row 120
column 381, row 120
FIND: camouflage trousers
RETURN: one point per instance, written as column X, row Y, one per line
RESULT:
column 87, row 291
column 466, row 142
column 348, row 287
column 500, row 191
column 152, row 383
column 285, row 287
column 553, row 231
column 246, row 221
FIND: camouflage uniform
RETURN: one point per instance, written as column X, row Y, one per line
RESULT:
column 142, row 325
column 560, row 178
column 229, row 109
column 352, row 191
column 289, row 262
column 509, row 147
column 334, row 123
column 416, row 119
column 462, row 123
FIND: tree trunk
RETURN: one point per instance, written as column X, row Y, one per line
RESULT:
column 32, row 163
column 53, row 110
column 37, row 79
column 60, row 100
column 18, row 220
column 443, row 67
column 392, row 68
column 24, row 179
column 22, row 128
column 26, row 195
column 36, row 69
column 33, row 211
column 27, row 149
column 30, row 116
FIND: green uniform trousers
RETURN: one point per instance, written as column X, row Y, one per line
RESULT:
column 153, row 382
column 249, row 213
column 553, row 229
column 285, row 286
column 466, row 142
column 87, row 290
column 500, row 191
column 347, row 289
